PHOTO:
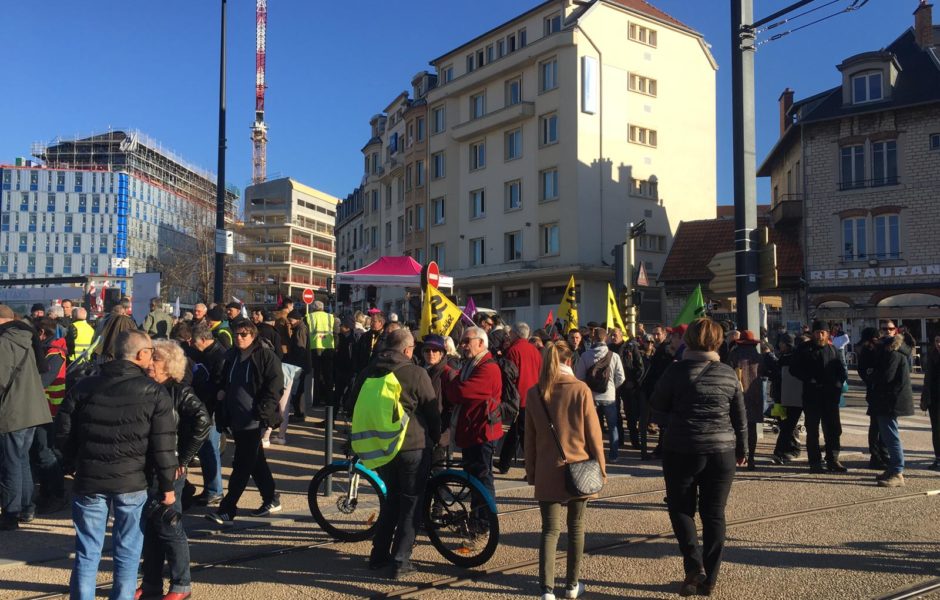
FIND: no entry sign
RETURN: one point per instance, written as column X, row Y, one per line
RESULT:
column 308, row 296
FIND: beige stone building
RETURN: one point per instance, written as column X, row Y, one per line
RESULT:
column 285, row 244
column 856, row 174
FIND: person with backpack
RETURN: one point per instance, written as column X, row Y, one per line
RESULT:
column 396, row 422
column 602, row 371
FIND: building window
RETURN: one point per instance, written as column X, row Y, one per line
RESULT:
column 401, row 229
column 884, row 163
column 866, row 87
column 643, row 85
column 552, row 24
column 643, row 136
column 549, row 235
column 489, row 54
column 477, row 255
column 50, row 202
column 470, row 63
column 23, row 242
column 419, row 173
column 548, row 129
column 477, row 204
column 438, row 119
column 887, row 236
column 522, row 38
column 375, row 236
column 375, row 200
column 513, row 246
column 500, row 48
column 67, row 264
column 419, row 255
column 438, row 165
column 447, row 73
column 513, row 195
column 854, row 240
column 419, row 128
column 419, row 217
column 651, row 243
column 514, row 91
column 437, row 254
column 477, row 156
column 548, row 75
column 388, row 233
column 513, row 144
column 934, row 141
column 478, row 105
column 511, row 42
column 852, row 161
column 437, row 209
column 549, row 178
column 479, row 58
column 31, row 264
column 641, row 34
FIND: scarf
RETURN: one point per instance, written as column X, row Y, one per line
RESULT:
column 565, row 369
column 699, row 356
column 470, row 365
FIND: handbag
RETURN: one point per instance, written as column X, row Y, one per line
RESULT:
column 582, row 478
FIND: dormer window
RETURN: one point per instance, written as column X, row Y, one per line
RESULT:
column 867, row 87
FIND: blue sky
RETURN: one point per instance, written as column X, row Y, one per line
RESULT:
column 79, row 67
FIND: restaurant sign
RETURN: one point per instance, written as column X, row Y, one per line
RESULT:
column 874, row 272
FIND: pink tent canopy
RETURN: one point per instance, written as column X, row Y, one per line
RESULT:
column 400, row 271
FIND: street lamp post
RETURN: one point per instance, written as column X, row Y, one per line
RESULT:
column 220, row 183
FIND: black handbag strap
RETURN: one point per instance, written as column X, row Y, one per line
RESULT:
column 551, row 425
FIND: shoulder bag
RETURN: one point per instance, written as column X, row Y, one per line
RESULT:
column 582, row 478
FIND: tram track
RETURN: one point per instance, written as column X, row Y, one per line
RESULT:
column 917, row 590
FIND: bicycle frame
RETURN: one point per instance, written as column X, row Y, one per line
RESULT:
column 473, row 481
column 358, row 466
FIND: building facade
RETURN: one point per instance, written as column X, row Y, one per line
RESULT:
column 285, row 244
column 856, row 173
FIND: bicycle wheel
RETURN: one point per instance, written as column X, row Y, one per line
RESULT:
column 459, row 521
column 350, row 511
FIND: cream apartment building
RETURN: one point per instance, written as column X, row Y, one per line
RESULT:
column 552, row 132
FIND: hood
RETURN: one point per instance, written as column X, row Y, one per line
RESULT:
column 19, row 333
column 386, row 361
column 897, row 344
column 599, row 351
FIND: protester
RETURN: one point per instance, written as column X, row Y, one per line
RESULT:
column 892, row 398
column 164, row 537
column 343, row 365
column 560, row 399
column 199, row 313
column 157, row 323
column 434, row 361
column 705, row 437
column 788, row 391
column 629, row 395
column 233, row 310
column 248, row 405
column 80, row 335
column 298, row 354
column 869, row 354
column 660, row 359
column 220, row 329
column 46, row 459
column 110, row 330
column 405, row 474
column 528, row 363
column 208, row 381
column 603, row 373
column 264, row 321
column 575, row 343
column 115, row 425
column 930, row 397
column 840, row 340
column 370, row 341
column 748, row 364
column 321, row 325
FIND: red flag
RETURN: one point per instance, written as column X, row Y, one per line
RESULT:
column 548, row 320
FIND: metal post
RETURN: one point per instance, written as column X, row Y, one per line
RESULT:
column 630, row 257
column 220, row 184
column 328, row 451
column 745, row 171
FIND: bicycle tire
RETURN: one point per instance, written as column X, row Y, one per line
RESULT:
column 464, row 517
column 328, row 520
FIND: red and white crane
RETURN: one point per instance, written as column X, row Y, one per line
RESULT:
column 259, row 131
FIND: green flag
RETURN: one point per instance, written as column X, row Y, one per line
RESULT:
column 694, row 308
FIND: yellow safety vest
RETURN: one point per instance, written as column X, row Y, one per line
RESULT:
column 379, row 422
column 320, row 323
column 84, row 334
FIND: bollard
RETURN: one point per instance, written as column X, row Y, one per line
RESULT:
column 328, row 451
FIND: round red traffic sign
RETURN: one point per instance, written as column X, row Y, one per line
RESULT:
column 433, row 273
column 308, row 296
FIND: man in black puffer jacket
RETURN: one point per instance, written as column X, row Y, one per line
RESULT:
column 113, row 425
column 892, row 397
column 208, row 380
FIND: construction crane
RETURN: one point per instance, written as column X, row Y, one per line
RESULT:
column 259, row 131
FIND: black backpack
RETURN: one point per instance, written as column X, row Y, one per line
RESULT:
column 598, row 376
column 509, row 401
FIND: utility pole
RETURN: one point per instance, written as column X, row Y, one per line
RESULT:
column 624, row 257
column 220, row 234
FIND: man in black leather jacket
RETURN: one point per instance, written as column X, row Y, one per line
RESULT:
column 207, row 382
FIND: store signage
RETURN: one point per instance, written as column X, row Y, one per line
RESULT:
column 874, row 272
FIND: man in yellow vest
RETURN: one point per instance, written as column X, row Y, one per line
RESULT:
column 322, row 352
column 80, row 335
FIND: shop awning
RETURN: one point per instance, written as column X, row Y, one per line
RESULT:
column 396, row 271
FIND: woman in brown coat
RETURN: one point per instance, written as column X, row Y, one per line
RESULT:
column 571, row 407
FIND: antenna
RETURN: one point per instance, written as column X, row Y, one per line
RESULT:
column 259, row 131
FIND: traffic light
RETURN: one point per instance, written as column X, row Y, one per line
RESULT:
column 768, row 261
column 623, row 271
column 637, row 299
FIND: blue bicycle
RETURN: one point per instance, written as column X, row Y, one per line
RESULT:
column 459, row 514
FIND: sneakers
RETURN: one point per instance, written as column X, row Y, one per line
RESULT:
column 689, row 587
column 892, row 480
column 221, row 518
column 882, row 476
column 575, row 592
column 278, row 440
column 27, row 516
column 267, row 508
column 402, row 571
column 547, row 596
column 177, row 596
column 836, row 467
column 206, row 499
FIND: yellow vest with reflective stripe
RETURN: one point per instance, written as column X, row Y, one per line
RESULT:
column 320, row 323
column 379, row 421
column 84, row 334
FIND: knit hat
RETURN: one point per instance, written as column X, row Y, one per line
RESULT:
column 820, row 326
column 234, row 305
column 868, row 334
column 215, row 314
column 434, row 341
column 296, row 314
column 38, row 306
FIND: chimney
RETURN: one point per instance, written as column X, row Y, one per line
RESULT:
column 923, row 25
column 786, row 101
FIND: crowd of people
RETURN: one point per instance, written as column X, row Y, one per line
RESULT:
column 124, row 411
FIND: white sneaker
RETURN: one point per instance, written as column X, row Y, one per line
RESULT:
column 575, row 592
column 548, row 596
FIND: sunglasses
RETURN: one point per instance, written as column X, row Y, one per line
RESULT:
column 468, row 340
column 243, row 334
column 430, row 350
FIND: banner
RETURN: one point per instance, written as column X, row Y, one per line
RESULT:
column 613, row 313
column 438, row 313
column 694, row 308
column 568, row 309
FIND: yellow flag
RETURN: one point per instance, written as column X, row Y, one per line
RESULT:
column 568, row 309
column 438, row 313
column 613, row 313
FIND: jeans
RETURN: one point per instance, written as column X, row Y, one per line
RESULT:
column 405, row 478
column 823, row 409
column 705, row 480
column 609, row 412
column 551, row 529
column 48, row 465
column 211, row 463
column 249, row 462
column 788, row 440
column 478, row 461
column 876, row 444
column 891, row 438
column 165, row 542
column 638, row 418
column 513, row 439
column 297, row 401
column 90, row 516
column 16, row 478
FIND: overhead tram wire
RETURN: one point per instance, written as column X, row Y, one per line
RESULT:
column 854, row 6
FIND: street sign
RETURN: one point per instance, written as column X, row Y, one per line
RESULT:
column 431, row 274
column 723, row 268
column 642, row 279
column 308, row 296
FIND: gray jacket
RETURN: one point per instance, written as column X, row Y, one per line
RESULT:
column 158, row 324
column 24, row 404
column 616, row 378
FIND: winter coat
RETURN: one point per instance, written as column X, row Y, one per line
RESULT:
column 528, row 361
column 931, row 392
column 209, row 375
column 366, row 349
column 821, row 370
column 265, row 384
column 194, row 421
column 25, row 403
column 440, row 373
column 117, row 426
column 747, row 363
column 477, row 398
column 298, row 348
column 704, row 410
column 571, row 407
column 268, row 332
column 791, row 388
column 417, row 397
column 891, row 393
column 158, row 324
column 615, row 377
column 868, row 358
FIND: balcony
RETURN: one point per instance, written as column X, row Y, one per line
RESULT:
column 788, row 209
column 859, row 184
column 494, row 120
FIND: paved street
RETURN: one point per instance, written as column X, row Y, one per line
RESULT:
column 852, row 540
